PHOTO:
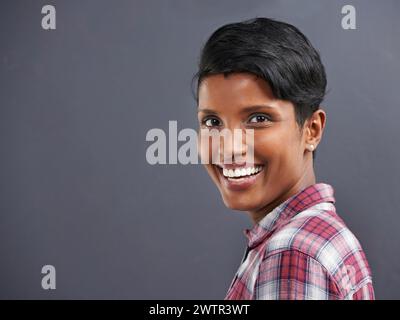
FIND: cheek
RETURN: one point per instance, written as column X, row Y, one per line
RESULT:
column 267, row 146
column 204, row 149
column 279, row 147
column 209, row 149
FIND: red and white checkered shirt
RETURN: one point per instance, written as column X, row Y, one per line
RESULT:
column 303, row 250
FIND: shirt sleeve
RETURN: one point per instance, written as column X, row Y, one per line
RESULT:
column 293, row 275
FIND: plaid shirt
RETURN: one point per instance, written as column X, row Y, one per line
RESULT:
column 302, row 250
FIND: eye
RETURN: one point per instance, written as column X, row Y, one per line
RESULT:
column 211, row 122
column 259, row 118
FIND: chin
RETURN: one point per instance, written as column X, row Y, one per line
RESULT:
column 240, row 203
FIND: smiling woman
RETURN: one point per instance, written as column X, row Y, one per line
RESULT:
column 264, row 75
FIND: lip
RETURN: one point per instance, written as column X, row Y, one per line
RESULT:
column 236, row 166
column 238, row 184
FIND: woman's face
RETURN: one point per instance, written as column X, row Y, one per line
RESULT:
column 243, row 101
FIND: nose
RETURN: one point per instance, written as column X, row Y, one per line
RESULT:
column 234, row 147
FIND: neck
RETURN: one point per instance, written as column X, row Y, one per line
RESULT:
column 306, row 180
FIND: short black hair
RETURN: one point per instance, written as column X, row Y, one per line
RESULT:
column 274, row 51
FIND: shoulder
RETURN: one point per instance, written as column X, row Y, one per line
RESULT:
column 316, row 255
column 321, row 235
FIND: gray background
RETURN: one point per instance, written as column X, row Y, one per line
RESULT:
column 76, row 103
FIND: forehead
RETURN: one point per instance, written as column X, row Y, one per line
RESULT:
column 237, row 91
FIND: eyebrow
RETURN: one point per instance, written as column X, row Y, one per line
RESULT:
column 244, row 110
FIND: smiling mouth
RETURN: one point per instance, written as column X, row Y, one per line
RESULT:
column 239, row 178
column 239, row 172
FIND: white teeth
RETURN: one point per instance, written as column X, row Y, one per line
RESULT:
column 241, row 172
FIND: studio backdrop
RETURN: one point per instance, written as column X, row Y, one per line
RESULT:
column 82, row 83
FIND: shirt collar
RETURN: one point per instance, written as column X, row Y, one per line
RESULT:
column 304, row 199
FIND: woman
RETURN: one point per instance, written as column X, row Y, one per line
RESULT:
column 264, row 76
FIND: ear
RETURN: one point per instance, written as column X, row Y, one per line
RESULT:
column 314, row 129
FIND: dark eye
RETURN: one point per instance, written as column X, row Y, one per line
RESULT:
column 211, row 122
column 258, row 118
